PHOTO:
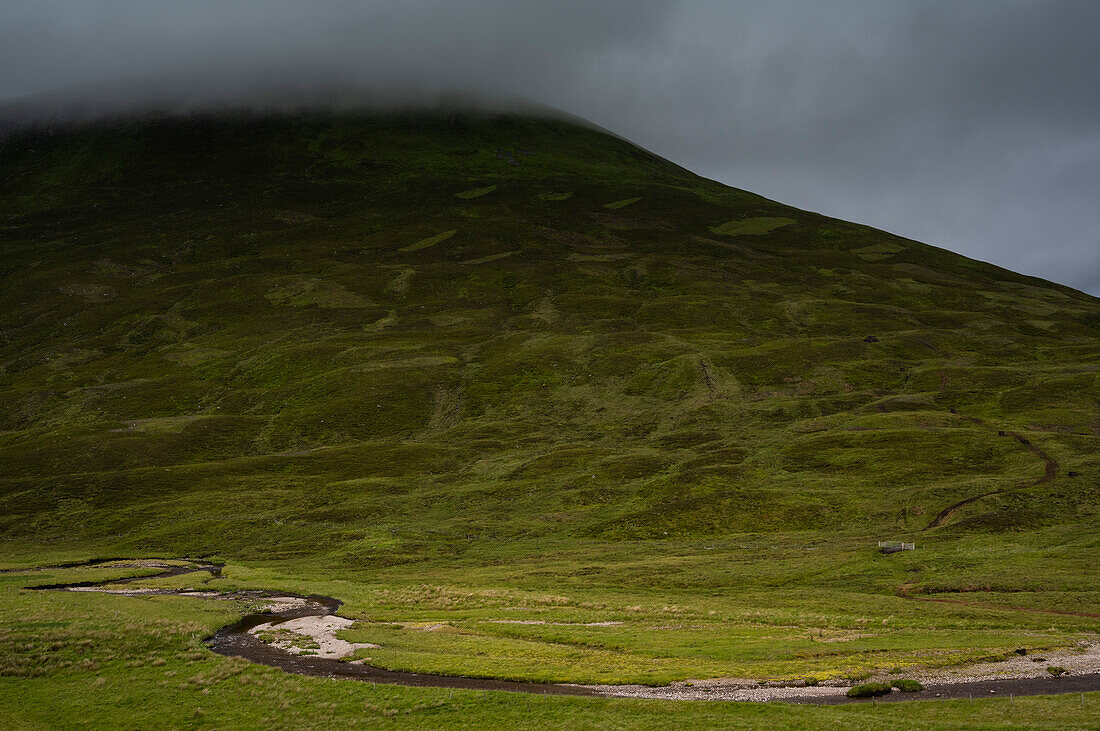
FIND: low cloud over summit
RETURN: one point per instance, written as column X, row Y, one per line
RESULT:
column 969, row 126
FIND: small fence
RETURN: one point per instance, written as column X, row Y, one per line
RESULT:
column 895, row 546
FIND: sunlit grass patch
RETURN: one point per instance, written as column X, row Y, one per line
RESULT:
column 751, row 226
column 490, row 258
column 615, row 205
column 476, row 192
column 430, row 241
column 877, row 252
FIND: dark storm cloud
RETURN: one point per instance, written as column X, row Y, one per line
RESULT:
column 974, row 126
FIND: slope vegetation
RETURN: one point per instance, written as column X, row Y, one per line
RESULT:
column 339, row 326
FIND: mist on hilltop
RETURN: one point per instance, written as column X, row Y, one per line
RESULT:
column 961, row 124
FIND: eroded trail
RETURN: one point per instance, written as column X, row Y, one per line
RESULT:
column 241, row 639
column 1050, row 471
column 904, row 592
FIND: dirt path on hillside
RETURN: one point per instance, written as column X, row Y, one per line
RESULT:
column 1049, row 473
column 903, row 592
column 315, row 617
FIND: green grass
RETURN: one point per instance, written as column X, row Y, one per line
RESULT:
column 100, row 660
column 878, row 252
column 869, row 690
column 240, row 337
column 430, row 241
column 755, row 226
column 476, row 192
column 778, row 607
column 907, row 685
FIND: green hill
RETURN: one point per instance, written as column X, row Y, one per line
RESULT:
column 500, row 326
column 512, row 354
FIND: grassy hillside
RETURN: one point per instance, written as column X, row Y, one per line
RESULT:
column 462, row 364
column 376, row 337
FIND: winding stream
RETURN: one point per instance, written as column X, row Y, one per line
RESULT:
column 236, row 640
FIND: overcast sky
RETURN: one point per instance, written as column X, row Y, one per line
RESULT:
column 969, row 125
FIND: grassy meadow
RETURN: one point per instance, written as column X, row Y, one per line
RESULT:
column 88, row 659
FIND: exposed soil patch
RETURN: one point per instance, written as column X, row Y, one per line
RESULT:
column 903, row 591
column 319, row 632
column 1049, row 473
